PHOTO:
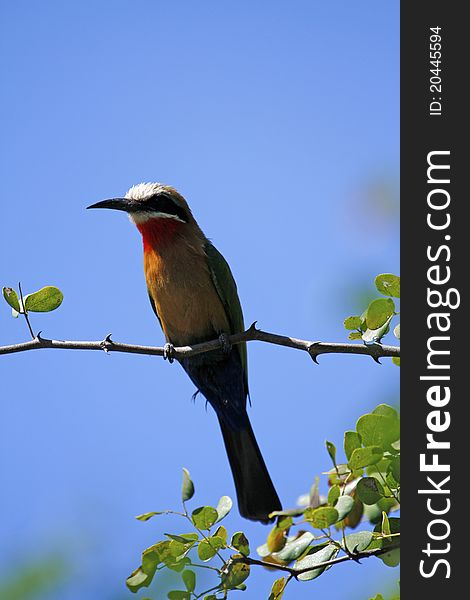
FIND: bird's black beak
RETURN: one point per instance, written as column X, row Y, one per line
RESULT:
column 116, row 203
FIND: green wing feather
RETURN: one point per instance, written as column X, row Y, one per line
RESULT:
column 226, row 288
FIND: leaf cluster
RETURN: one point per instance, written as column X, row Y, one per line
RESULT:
column 303, row 541
column 46, row 299
column 375, row 321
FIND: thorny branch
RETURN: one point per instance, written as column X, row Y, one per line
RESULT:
column 314, row 349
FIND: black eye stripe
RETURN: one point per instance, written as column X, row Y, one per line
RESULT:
column 165, row 204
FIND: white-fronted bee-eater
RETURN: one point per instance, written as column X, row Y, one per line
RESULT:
column 194, row 296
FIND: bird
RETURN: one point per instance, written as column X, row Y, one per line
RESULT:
column 194, row 296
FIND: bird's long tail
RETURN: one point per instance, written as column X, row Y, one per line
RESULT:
column 255, row 490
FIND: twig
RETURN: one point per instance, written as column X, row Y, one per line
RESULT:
column 327, row 563
column 314, row 349
column 25, row 312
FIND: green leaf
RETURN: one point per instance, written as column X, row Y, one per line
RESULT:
column 12, row 298
column 386, row 411
column 179, row 595
column 331, row 448
column 277, row 536
column 375, row 335
column 277, row 590
column 171, row 553
column 178, row 565
column 355, row 335
column 221, row 532
column 138, row 579
column 378, row 430
column 352, row 440
column 390, row 480
column 369, row 490
column 240, row 542
column 205, row 550
column 46, row 299
column 359, row 541
column 189, row 579
column 385, row 524
column 333, row 494
column 224, row 507
column 187, row 490
column 363, row 457
column 314, row 559
column 388, row 284
column 380, row 467
column 352, row 323
column 149, row 515
column 396, row 360
column 344, row 506
column 184, row 538
column 395, row 468
column 235, row 574
column 209, row 548
column 377, row 597
column 204, row 517
column 379, row 312
column 321, row 517
column 391, row 525
column 392, row 558
column 177, row 549
column 294, row 548
column 396, row 331
column 210, row 597
column 153, row 556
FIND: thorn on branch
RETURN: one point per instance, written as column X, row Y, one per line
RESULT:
column 313, row 353
column 107, row 343
column 252, row 328
column 375, row 351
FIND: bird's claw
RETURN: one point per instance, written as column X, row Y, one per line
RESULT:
column 224, row 340
column 169, row 352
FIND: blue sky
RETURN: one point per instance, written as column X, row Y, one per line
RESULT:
column 280, row 125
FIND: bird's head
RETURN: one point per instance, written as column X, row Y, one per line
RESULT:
column 146, row 201
column 157, row 210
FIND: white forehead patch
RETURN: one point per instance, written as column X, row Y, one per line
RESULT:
column 144, row 190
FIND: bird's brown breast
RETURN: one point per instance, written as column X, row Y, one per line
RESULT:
column 186, row 301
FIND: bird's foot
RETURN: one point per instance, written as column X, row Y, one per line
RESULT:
column 224, row 340
column 169, row 352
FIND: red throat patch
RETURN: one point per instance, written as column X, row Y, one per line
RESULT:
column 158, row 232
